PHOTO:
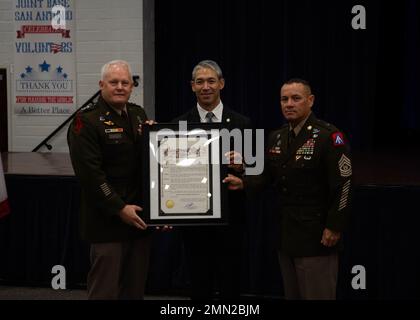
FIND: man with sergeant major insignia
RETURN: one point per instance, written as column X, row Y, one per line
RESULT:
column 106, row 152
column 309, row 165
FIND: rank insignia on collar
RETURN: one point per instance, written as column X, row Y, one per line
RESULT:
column 338, row 139
column 109, row 123
column 114, row 130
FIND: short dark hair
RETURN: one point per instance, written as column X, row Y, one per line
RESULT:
column 301, row 81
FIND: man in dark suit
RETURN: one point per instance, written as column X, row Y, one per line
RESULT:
column 106, row 152
column 309, row 164
column 214, row 252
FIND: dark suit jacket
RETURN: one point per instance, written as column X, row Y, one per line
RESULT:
column 230, row 120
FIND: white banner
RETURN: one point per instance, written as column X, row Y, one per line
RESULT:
column 4, row 204
column 44, row 57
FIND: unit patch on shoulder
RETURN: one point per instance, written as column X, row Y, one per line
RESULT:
column 338, row 139
column 78, row 124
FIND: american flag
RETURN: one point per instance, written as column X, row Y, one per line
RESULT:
column 55, row 47
column 4, row 204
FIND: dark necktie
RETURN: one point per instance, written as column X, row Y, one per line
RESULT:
column 124, row 115
column 292, row 137
column 209, row 117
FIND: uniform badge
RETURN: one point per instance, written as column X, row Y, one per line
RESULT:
column 109, row 123
column 114, row 130
column 139, row 127
column 316, row 131
column 338, row 139
column 307, row 158
column 309, row 127
column 105, row 189
column 298, row 157
column 344, row 195
column 344, row 165
column 278, row 140
column 78, row 124
column 275, row 150
column 307, row 148
column 101, row 118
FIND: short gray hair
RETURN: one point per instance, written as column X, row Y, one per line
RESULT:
column 207, row 64
column 108, row 65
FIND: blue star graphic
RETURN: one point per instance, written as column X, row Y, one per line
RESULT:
column 59, row 69
column 44, row 66
column 22, row 75
column 28, row 69
column 65, row 75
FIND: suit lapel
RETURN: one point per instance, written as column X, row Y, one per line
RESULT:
column 226, row 115
column 194, row 116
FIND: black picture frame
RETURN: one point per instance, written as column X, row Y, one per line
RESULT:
column 154, row 171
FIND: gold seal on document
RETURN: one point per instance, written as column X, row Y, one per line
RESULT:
column 170, row 204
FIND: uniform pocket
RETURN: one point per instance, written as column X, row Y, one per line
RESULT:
column 273, row 161
column 116, row 138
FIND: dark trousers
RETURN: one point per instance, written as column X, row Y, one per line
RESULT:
column 309, row 278
column 214, row 260
column 118, row 269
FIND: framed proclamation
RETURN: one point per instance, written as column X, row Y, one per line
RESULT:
column 183, row 172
